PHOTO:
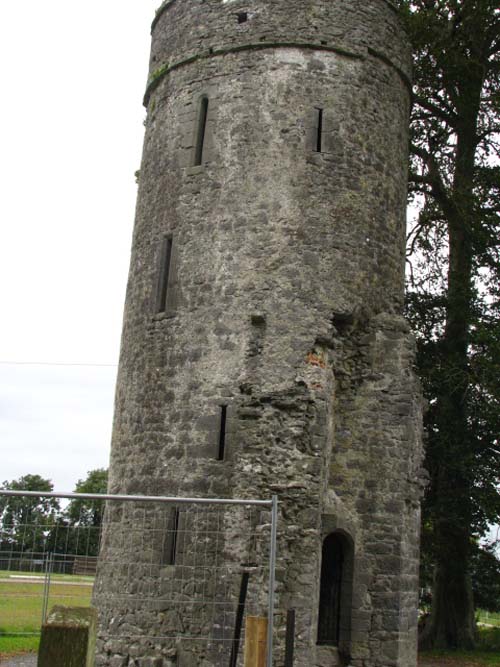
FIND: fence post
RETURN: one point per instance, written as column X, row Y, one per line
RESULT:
column 239, row 620
column 272, row 580
column 290, row 637
column 46, row 586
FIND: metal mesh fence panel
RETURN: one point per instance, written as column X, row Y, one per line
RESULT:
column 181, row 578
column 48, row 556
column 174, row 580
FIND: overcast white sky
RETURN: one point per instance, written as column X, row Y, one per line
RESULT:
column 73, row 74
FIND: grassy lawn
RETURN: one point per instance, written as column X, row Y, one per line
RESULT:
column 437, row 659
column 490, row 618
column 8, row 574
column 10, row 645
column 486, row 655
column 21, row 606
column 21, row 611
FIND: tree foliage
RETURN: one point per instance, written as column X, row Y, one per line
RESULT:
column 485, row 572
column 27, row 520
column 88, row 512
column 38, row 525
column 453, row 296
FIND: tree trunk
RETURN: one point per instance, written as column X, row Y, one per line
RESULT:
column 455, row 42
column 452, row 621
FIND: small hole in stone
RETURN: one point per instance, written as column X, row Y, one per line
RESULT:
column 242, row 17
column 258, row 320
column 323, row 42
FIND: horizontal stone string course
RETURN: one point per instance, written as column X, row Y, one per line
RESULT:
column 165, row 69
column 162, row 71
column 387, row 61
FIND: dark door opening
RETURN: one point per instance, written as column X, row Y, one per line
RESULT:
column 332, row 570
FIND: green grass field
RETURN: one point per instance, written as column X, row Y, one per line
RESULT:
column 487, row 653
column 21, row 603
column 21, row 612
column 489, row 618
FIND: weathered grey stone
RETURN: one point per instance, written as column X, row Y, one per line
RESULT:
column 283, row 303
column 118, row 661
column 151, row 662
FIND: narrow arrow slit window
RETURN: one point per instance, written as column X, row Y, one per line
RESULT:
column 201, row 131
column 222, row 433
column 319, row 129
column 164, row 274
column 174, row 536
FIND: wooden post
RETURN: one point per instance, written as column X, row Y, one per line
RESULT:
column 255, row 641
column 290, row 637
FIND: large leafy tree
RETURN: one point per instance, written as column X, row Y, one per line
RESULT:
column 454, row 299
column 26, row 521
column 32, row 526
column 87, row 515
column 89, row 512
column 77, row 530
column 486, row 578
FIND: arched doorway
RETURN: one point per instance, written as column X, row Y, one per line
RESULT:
column 334, row 619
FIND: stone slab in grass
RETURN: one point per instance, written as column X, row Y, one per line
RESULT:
column 68, row 638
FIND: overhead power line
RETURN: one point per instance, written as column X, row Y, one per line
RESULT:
column 54, row 363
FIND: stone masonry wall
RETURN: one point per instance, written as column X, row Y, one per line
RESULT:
column 284, row 299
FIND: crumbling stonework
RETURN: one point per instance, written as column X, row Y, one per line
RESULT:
column 283, row 298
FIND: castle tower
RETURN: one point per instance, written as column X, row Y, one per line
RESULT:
column 265, row 296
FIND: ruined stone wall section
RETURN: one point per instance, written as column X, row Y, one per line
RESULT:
column 376, row 476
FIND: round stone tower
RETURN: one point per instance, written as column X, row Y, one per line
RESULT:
column 264, row 302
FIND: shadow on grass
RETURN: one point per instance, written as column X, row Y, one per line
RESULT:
column 487, row 653
column 489, row 639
